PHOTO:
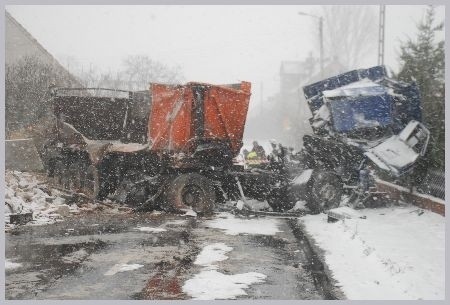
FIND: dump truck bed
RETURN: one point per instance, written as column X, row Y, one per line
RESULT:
column 183, row 116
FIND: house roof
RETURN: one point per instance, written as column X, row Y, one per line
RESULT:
column 36, row 43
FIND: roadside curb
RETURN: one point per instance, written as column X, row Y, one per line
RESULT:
column 322, row 275
column 397, row 192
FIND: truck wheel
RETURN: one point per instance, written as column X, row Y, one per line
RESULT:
column 191, row 190
column 325, row 192
column 280, row 201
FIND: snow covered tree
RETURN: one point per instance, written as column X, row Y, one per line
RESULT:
column 423, row 60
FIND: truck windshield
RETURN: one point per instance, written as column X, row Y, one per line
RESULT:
column 350, row 114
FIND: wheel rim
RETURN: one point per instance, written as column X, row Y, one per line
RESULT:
column 326, row 195
column 192, row 195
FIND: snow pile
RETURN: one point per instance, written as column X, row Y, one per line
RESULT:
column 212, row 253
column 393, row 253
column 122, row 268
column 364, row 87
column 234, row 226
column 150, row 229
column 303, row 178
column 10, row 265
column 211, row 284
column 24, row 193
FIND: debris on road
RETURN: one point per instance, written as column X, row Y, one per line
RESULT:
column 26, row 194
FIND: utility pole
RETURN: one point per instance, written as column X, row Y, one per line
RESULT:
column 262, row 88
column 320, row 37
column 381, row 34
column 321, row 45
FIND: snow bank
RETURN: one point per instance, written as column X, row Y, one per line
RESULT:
column 395, row 253
column 10, row 265
column 211, row 284
column 150, row 229
column 235, row 226
column 25, row 193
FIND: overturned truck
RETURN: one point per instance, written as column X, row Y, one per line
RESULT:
column 170, row 147
column 364, row 124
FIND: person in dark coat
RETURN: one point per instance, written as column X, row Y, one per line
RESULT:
column 259, row 150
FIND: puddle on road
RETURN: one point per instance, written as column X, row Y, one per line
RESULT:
column 56, row 259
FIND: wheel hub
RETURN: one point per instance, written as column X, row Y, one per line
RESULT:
column 192, row 195
column 328, row 192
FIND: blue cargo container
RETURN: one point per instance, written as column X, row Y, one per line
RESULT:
column 383, row 101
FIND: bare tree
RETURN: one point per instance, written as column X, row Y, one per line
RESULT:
column 350, row 33
column 136, row 73
column 26, row 91
column 140, row 70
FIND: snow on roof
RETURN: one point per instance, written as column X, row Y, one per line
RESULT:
column 364, row 87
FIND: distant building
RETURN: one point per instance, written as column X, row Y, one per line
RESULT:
column 19, row 43
column 294, row 75
column 21, row 47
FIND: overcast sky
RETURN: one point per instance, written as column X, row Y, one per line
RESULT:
column 215, row 44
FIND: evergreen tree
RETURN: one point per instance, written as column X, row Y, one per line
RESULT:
column 423, row 61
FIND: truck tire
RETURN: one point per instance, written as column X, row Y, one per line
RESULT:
column 325, row 191
column 191, row 190
column 279, row 201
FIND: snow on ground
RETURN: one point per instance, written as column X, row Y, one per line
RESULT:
column 393, row 253
column 189, row 212
column 150, row 229
column 11, row 265
column 234, row 226
column 212, row 253
column 25, row 193
column 211, row 284
column 122, row 268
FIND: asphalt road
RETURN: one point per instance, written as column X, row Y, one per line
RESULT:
column 79, row 258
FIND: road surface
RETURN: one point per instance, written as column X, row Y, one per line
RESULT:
column 153, row 256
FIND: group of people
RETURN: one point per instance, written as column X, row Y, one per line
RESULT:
column 258, row 154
